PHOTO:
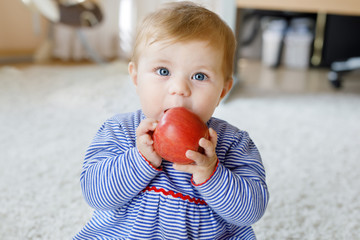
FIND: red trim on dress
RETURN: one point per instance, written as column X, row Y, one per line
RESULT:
column 175, row 195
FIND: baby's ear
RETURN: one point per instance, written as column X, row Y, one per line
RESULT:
column 133, row 72
column 227, row 86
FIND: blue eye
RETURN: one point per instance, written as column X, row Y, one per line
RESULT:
column 200, row 77
column 163, row 72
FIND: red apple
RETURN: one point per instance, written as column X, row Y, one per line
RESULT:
column 179, row 130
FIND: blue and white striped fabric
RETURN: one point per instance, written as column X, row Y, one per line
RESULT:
column 132, row 200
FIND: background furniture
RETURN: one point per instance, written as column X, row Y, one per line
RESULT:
column 321, row 7
column 77, row 14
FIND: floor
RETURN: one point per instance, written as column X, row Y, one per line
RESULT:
column 309, row 145
column 258, row 80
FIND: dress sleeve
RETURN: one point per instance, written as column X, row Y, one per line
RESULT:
column 114, row 171
column 237, row 190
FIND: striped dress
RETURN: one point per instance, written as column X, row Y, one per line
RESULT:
column 133, row 200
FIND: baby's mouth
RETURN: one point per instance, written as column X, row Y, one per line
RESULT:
column 163, row 113
column 180, row 106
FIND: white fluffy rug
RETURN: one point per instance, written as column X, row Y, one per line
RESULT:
column 310, row 146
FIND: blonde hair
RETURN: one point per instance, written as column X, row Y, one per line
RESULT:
column 184, row 21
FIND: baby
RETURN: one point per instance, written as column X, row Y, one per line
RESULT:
column 183, row 57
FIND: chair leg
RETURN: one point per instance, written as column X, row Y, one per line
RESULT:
column 335, row 79
column 338, row 69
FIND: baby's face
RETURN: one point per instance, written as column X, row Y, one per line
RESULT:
column 184, row 74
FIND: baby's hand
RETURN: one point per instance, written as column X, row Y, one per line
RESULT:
column 204, row 163
column 144, row 141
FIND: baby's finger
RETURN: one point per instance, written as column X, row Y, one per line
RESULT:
column 145, row 139
column 145, row 126
column 197, row 157
column 208, row 146
column 213, row 136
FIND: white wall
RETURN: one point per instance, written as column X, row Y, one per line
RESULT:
column 115, row 36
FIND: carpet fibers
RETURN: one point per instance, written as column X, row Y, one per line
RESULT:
column 310, row 145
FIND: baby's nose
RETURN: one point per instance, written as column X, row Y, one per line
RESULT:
column 179, row 86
